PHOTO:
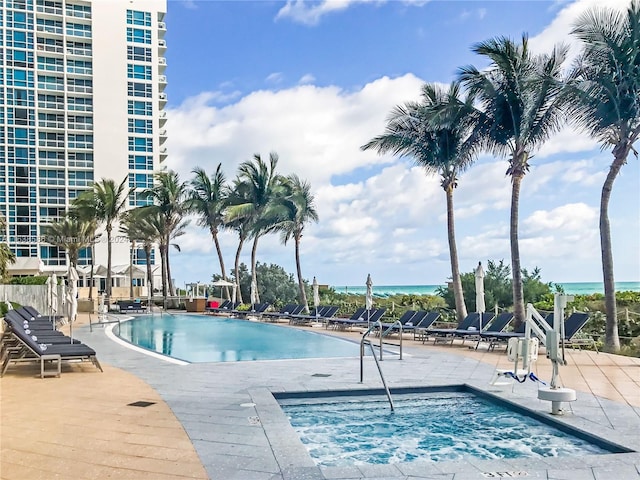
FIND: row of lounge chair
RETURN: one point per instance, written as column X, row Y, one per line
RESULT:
column 231, row 308
column 30, row 337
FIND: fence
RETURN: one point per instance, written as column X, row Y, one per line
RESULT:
column 33, row 295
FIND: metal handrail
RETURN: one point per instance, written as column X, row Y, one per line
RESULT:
column 104, row 322
column 368, row 342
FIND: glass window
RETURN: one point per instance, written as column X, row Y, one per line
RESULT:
column 138, row 35
column 135, row 17
column 140, row 108
column 141, row 72
column 141, row 144
column 138, row 54
column 135, row 89
column 139, row 125
column 140, row 162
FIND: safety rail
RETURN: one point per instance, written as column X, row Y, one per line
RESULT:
column 104, row 319
column 366, row 341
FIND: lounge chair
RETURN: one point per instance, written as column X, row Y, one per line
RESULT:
column 33, row 313
column 478, row 326
column 320, row 314
column 224, row 308
column 357, row 316
column 368, row 318
column 289, row 309
column 446, row 334
column 254, row 309
column 224, row 304
column 405, row 318
column 27, row 349
column 572, row 327
column 131, row 306
column 496, row 326
column 421, row 323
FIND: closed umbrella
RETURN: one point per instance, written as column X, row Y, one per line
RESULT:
column 72, row 297
column 316, row 294
column 53, row 302
column 480, row 306
column 368, row 299
column 254, row 292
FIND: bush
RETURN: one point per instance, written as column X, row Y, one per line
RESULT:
column 31, row 280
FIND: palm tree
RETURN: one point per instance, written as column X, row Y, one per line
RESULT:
column 7, row 257
column 438, row 134
column 169, row 196
column 295, row 209
column 256, row 187
column 70, row 234
column 105, row 202
column 132, row 227
column 208, row 199
column 521, row 105
column 605, row 93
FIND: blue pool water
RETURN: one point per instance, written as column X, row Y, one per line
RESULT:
column 202, row 338
column 436, row 426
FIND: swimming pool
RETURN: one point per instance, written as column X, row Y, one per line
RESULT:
column 201, row 338
column 435, row 425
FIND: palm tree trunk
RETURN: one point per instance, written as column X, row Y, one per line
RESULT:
column 147, row 252
column 164, row 271
column 131, row 271
column 611, row 339
column 172, row 291
column 216, row 242
column 303, row 293
column 516, row 271
column 254, row 276
column 458, row 294
column 108, row 285
column 237, row 265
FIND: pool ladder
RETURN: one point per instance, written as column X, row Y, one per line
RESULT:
column 367, row 341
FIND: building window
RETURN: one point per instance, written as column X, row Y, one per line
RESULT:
column 139, row 89
column 138, row 199
column 80, row 160
column 140, row 125
column 138, row 35
column 80, row 104
column 135, row 17
column 80, row 141
column 79, row 30
column 138, row 54
column 140, row 162
column 140, row 144
column 140, row 108
column 139, row 72
column 80, row 179
column 140, row 180
column 79, row 66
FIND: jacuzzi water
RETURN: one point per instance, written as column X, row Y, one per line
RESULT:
column 439, row 426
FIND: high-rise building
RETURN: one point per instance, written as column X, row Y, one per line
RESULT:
column 81, row 98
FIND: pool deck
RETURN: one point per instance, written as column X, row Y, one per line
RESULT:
column 220, row 421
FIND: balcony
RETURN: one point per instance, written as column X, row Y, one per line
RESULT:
column 162, row 44
column 162, row 61
column 162, row 79
column 162, row 136
column 162, row 26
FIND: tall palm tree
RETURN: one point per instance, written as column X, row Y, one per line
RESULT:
column 70, row 234
column 437, row 133
column 521, row 104
column 132, row 227
column 256, row 187
column 296, row 208
column 169, row 195
column 208, row 199
column 605, row 93
column 7, row 257
column 106, row 202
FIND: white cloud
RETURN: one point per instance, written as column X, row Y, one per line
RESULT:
column 310, row 13
column 275, row 77
column 308, row 78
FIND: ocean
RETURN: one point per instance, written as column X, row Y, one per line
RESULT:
column 575, row 288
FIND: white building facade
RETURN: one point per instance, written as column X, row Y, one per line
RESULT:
column 81, row 98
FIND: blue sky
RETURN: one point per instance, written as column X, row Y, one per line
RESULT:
column 313, row 81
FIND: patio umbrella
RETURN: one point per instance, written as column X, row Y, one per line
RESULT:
column 72, row 297
column 480, row 306
column 254, row 292
column 223, row 283
column 53, row 299
column 316, row 294
column 368, row 299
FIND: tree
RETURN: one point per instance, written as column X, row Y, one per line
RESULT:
column 276, row 286
column 520, row 105
column 70, row 234
column 208, row 199
column 295, row 209
column 105, row 202
column 7, row 257
column 605, row 101
column 437, row 133
column 169, row 196
column 256, row 187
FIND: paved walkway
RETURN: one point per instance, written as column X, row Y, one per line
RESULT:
column 220, row 421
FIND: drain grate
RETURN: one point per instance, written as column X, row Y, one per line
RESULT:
column 321, row 375
column 140, row 403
